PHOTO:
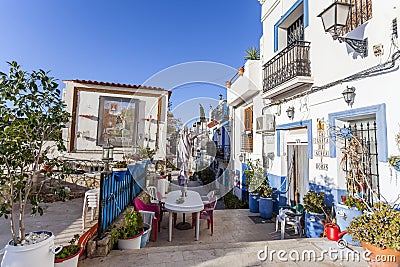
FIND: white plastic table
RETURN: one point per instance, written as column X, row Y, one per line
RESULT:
column 192, row 204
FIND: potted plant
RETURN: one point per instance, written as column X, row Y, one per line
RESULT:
column 316, row 211
column 379, row 232
column 31, row 113
column 119, row 170
column 69, row 255
column 265, row 203
column 252, row 53
column 129, row 235
column 349, row 209
column 254, row 177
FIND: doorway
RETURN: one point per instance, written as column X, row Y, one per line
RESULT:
column 297, row 172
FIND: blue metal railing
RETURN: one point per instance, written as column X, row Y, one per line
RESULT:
column 115, row 196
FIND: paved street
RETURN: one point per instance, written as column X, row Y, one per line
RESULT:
column 236, row 241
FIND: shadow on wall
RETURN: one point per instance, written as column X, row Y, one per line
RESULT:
column 326, row 185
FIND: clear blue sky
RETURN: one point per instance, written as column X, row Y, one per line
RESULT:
column 127, row 41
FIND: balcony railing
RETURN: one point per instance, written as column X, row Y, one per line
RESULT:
column 293, row 61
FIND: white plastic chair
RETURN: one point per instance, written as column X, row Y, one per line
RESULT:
column 91, row 201
column 152, row 191
column 207, row 199
column 282, row 218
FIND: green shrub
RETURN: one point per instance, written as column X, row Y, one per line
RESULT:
column 264, row 190
column 356, row 202
column 381, row 228
column 69, row 250
column 232, row 202
column 133, row 226
column 314, row 202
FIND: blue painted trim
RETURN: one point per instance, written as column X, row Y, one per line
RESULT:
column 288, row 126
column 380, row 114
column 286, row 15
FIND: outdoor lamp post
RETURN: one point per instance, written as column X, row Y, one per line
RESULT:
column 334, row 19
column 108, row 154
column 349, row 95
column 290, row 113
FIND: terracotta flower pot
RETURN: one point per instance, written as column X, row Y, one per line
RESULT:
column 228, row 84
column 382, row 257
column 241, row 71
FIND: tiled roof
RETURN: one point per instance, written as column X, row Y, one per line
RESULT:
column 115, row 84
column 212, row 124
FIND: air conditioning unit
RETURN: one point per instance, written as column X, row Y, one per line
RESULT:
column 265, row 124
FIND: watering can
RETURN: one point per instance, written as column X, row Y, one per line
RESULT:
column 332, row 232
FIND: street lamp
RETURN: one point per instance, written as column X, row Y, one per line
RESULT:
column 290, row 113
column 334, row 19
column 108, row 154
column 349, row 95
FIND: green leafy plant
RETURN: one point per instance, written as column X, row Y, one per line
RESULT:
column 232, row 202
column 264, row 190
column 355, row 202
column 379, row 228
column 314, row 202
column 206, row 175
column 254, row 176
column 146, row 152
column 69, row 250
column 252, row 53
column 121, row 164
column 133, row 225
column 31, row 113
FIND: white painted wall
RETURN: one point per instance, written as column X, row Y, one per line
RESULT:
column 331, row 61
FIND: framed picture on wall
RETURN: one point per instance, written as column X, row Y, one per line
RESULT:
column 117, row 121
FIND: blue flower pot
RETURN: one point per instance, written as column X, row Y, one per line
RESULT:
column 145, row 236
column 253, row 202
column 344, row 215
column 314, row 225
column 265, row 207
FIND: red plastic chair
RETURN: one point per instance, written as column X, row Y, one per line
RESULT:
column 139, row 205
column 207, row 214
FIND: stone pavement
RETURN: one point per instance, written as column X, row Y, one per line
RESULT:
column 61, row 218
column 236, row 241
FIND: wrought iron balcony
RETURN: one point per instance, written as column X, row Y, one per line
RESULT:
column 291, row 62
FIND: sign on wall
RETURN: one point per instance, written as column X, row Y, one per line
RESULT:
column 117, row 121
column 321, row 143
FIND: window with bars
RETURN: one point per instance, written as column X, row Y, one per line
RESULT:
column 365, row 180
column 360, row 12
column 295, row 32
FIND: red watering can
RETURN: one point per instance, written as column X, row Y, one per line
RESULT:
column 332, row 232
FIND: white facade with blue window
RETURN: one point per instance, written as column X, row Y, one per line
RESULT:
column 303, row 68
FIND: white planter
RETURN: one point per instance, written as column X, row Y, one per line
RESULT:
column 39, row 254
column 130, row 243
column 71, row 261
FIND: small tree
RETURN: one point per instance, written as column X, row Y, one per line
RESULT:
column 252, row 53
column 31, row 113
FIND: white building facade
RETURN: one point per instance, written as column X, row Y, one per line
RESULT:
column 126, row 116
column 303, row 73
